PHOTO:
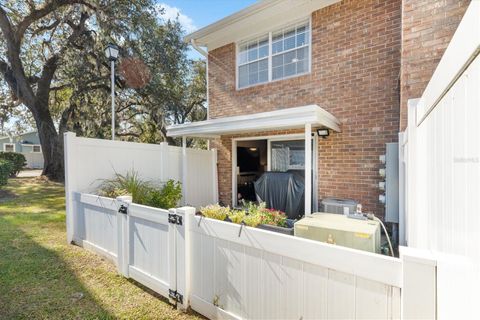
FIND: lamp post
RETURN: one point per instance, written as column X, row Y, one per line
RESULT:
column 112, row 55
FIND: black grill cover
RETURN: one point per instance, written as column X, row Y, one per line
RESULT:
column 283, row 191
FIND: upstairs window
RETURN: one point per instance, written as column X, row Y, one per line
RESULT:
column 253, row 62
column 277, row 55
column 290, row 51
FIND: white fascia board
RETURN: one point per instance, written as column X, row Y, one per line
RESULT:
column 280, row 119
column 261, row 17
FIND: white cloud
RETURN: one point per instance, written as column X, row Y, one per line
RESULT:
column 171, row 13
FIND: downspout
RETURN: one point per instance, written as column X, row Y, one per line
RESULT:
column 205, row 54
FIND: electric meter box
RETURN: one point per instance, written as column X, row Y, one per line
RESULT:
column 340, row 230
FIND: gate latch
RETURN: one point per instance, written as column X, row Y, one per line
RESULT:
column 174, row 218
column 123, row 209
column 174, row 295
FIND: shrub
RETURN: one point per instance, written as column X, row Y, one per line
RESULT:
column 17, row 159
column 6, row 168
column 215, row 211
column 237, row 216
column 142, row 192
column 266, row 216
column 252, row 215
column 128, row 184
column 252, row 220
column 165, row 198
column 273, row 217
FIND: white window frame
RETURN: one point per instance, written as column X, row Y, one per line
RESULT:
column 270, row 55
column 8, row 144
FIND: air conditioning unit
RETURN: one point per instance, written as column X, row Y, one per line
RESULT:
column 339, row 206
column 340, row 230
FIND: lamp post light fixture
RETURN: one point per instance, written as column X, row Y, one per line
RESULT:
column 111, row 52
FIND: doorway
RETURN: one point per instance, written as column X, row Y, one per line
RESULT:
column 253, row 157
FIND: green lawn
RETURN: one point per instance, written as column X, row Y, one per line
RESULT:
column 42, row 277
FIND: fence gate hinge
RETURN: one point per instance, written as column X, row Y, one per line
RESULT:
column 123, row 209
column 174, row 218
column 173, row 294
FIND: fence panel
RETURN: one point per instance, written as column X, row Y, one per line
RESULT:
column 91, row 161
column 150, row 240
column 96, row 224
column 240, row 272
column 201, row 175
column 444, row 170
column 224, row 270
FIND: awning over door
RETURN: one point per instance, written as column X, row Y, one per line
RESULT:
column 290, row 118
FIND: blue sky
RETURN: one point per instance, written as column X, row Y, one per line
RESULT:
column 195, row 14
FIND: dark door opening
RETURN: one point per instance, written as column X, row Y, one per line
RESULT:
column 251, row 164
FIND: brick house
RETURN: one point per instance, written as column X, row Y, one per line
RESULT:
column 280, row 70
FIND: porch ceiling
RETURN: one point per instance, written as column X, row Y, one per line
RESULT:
column 291, row 118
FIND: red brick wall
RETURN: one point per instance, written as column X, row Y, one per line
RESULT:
column 427, row 28
column 355, row 76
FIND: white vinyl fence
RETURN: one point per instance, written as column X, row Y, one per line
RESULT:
column 89, row 161
column 228, row 271
column 246, row 273
column 442, row 150
column 141, row 241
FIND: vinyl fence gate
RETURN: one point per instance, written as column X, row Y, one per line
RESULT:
column 146, row 244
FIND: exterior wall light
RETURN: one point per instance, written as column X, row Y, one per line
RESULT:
column 324, row 133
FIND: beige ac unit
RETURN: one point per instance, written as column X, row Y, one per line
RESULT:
column 340, row 230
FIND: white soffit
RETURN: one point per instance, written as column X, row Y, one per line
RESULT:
column 291, row 118
column 261, row 17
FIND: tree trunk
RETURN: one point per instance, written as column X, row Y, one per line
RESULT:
column 52, row 145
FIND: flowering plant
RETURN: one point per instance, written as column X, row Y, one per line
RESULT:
column 273, row 217
column 251, row 215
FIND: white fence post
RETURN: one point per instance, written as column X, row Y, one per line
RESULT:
column 123, row 234
column 184, row 169
column 70, row 182
column 411, row 169
column 182, row 242
column 163, row 161
column 419, row 291
column 172, row 256
column 215, row 175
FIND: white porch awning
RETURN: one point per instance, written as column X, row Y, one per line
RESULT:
column 290, row 118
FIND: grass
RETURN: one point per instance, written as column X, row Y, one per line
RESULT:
column 42, row 277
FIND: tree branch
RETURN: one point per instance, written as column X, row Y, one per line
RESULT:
column 10, row 79
column 51, row 64
column 15, row 71
column 46, row 28
column 44, row 11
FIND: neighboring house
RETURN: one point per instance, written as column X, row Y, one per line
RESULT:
column 27, row 144
column 279, row 70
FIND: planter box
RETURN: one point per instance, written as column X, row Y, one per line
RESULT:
column 269, row 227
